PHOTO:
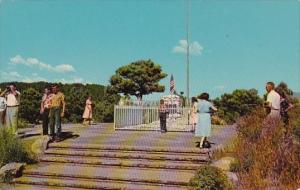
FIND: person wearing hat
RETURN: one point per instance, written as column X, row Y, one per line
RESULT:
column 2, row 108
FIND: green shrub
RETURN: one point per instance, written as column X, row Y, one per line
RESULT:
column 210, row 178
column 235, row 166
column 216, row 120
column 22, row 123
column 11, row 148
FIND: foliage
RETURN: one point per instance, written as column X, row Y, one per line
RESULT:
column 295, row 121
column 216, row 120
column 282, row 87
column 22, row 123
column 239, row 103
column 138, row 78
column 209, row 178
column 30, row 104
column 75, row 96
column 11, row 148
column 267, row 156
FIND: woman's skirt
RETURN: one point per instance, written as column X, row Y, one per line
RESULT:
column 203, row 127
column 87, row 114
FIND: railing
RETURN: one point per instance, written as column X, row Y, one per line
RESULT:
column 147, row 118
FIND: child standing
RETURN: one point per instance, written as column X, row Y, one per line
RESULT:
column 163, row 116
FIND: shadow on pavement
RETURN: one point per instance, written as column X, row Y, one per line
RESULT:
column 68, row 135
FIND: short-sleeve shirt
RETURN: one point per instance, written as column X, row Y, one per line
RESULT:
column 274, row 99
column 57, row 99
column 47, row 100
column 204, row 106
column 13, row 100
column 162, row 108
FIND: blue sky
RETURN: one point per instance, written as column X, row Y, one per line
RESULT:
column 234, row 43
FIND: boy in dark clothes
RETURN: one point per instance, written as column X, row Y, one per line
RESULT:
column 163, row 116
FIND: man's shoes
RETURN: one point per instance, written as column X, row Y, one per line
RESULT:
column 198, row 144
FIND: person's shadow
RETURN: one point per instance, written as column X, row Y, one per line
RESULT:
column 68, row 135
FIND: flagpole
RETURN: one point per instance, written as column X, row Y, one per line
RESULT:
column 187, row 52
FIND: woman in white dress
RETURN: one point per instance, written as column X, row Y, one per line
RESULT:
column 203, row 128
column 194, row 113
column 88, row 111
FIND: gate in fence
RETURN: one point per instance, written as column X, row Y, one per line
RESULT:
column 147, row 118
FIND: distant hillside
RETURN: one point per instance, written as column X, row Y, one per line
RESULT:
column 297, row 94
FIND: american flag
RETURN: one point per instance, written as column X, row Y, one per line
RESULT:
column 172, row 85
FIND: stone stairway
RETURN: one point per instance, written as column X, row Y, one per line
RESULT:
column 104, row 159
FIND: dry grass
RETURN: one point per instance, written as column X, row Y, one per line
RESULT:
column 267, row 156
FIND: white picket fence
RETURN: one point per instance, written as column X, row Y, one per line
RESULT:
column 147, row 118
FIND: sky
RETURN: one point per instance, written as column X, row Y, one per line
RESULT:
column 234, row 44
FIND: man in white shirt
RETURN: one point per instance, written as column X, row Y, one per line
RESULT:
column 273, row 100
column 12, row 107
column 2, row 108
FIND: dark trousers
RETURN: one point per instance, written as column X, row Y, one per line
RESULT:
column 45, row 119
column 55, row 120
column 163, row 121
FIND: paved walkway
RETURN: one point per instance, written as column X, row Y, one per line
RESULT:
column 97, row 157
column 104, row 134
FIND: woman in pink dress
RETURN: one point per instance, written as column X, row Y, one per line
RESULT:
column 87, row 114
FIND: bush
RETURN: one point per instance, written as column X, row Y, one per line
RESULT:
column 11, row 148
column 295, row 121
column 238, row 103
column 22, row 123
column 210, row 178
column 216, row 120
column 235, row 166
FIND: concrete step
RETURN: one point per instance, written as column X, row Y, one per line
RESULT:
column 120, row 162
column 120, row 147
column 23, row 185
column 126, row 155
column 57, row 183
column 129, row 175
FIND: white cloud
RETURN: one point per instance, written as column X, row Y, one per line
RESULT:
column 15, row 76
column 194, row 48
column 32, row 62
column 72, row 80
column 64, row 68
column 18, row 59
